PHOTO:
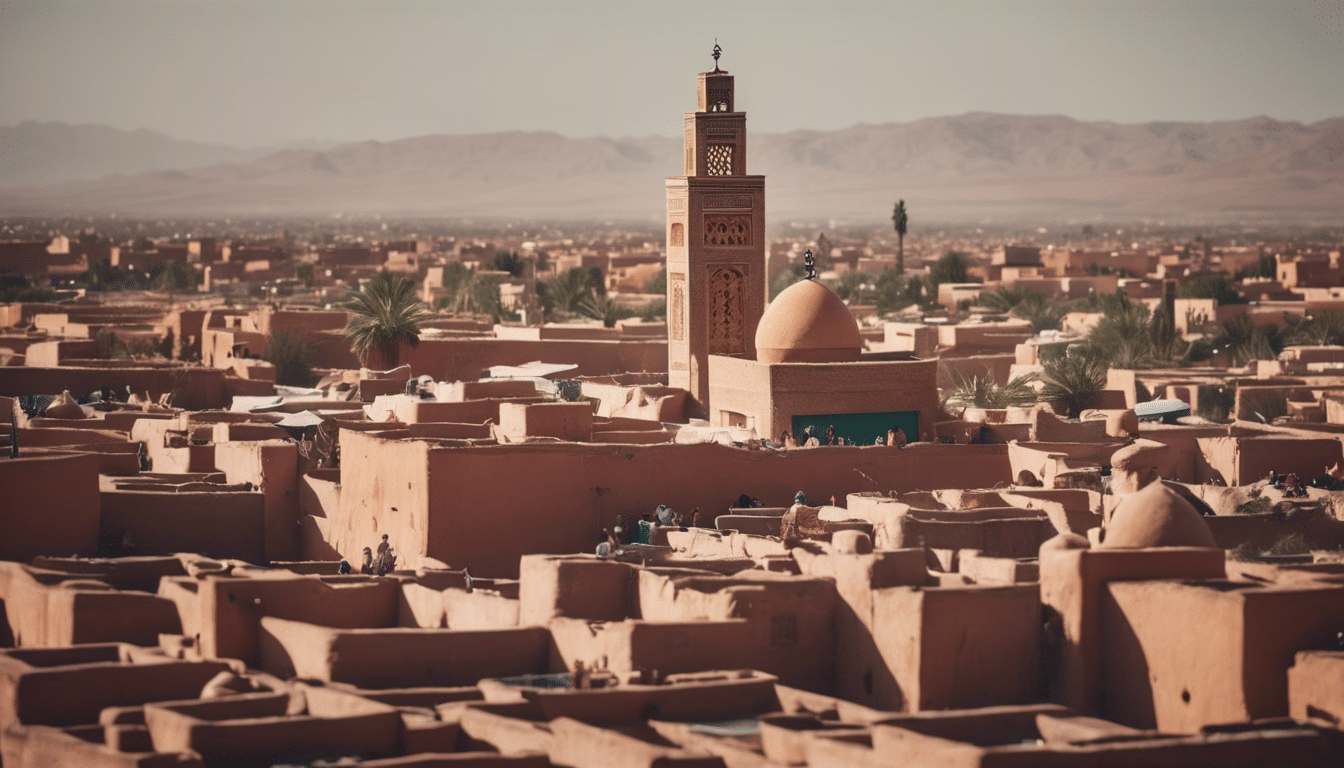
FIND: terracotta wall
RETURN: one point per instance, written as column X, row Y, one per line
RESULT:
column 385, row 490
column 227, row 611
column 485, row 506
column 1181, row 656
column 465, row 359
column 212, row 524
column 771, row 395
column 1243, row 460
column 48, row 506
column 959, row 648
column 401, row 658
column 271, row 466
column 193, row 388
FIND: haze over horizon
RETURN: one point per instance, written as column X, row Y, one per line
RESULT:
column 254, row 74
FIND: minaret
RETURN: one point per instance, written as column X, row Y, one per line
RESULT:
column 716, row 288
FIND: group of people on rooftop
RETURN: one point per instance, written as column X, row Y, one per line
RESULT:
column 1290, row 484
column 383, row 564
column 895, row 436
column 622, row 534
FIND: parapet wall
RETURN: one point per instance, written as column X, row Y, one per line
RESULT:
column 485, row 506
column 195, row 389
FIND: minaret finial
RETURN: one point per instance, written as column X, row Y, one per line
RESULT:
column 810, row 264
column 717, row 53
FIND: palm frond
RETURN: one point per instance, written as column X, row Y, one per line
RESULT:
column 985, row 392
column 385, row 313
column 1074, row 377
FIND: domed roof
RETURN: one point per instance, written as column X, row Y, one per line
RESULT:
column 807, row 323
column 1157, row 516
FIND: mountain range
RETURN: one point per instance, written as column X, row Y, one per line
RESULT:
column 964, row 168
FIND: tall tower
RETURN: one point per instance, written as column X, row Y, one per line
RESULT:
column 716, row 287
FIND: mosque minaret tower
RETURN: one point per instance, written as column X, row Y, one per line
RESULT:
column 716, row 282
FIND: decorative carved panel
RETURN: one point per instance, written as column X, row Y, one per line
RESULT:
column 677, row 316
column 727, row 310
column 678, row 234
column 719, row 160
column 728, row 201
column 676, row 204
column 727, row 230
column 722, row 127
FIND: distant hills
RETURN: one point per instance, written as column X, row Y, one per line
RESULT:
column 964, row 168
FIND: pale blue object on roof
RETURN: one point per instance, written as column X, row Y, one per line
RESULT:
column 248, row 403
column 1162, row 410
column 534, row 369
column 300, row 420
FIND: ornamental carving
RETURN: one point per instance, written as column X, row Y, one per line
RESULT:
column 726, row 312
column 678, row 308
column 678, row 235
column 729, row 127
column 728, row 201
column 719, row 160
column 728, row 230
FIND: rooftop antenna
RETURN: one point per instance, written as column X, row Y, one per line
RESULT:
column 717, row 53
column 810, row 264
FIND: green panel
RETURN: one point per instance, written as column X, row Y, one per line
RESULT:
column 858, row 428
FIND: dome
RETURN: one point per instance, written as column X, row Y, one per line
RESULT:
column 807, row 323
column 1157, row 516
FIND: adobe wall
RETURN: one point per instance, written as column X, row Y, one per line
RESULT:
column 273, row 467
column 464, row 359
column 485, row 506
column 791, row 617
column 385, row 490
column 195, row 389
column 1071, row 589
column 1188, row 461
column 1181, row 656
column 1244, row 460
column 49, row 505
column 412, row 410
column 962, row 647
column 401, row 658
column 228, row 610
column 45, row 609
column 773, row 394
column 566, row 421
column 222, row 525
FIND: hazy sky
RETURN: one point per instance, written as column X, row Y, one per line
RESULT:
column 251, row 72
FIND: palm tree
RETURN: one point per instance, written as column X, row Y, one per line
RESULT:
column 383, row 315
column 292, row 356
column 1037, row 308
column 606, row 309
column 566, row 291
column 1323, row 328
column 900, row 220
column 1074, row 377
column 1245, row 342
column 986, row 392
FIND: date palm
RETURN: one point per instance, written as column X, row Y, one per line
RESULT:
column 986, row 392
column 1074, row 377
column 900, row 220
column 385, row 313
